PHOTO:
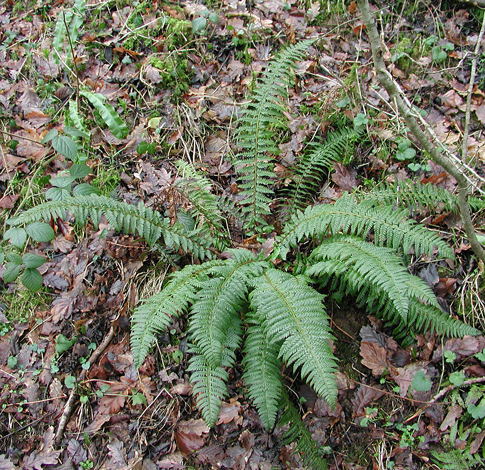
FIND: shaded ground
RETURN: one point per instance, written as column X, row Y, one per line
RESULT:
column 178, row 82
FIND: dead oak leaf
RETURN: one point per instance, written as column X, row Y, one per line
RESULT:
column 189, row 435
column 374, row 357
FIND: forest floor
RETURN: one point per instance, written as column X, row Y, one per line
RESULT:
column 176, row 73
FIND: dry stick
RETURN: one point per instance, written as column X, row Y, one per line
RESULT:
column 466, row 131
column 442, row 393
column 453, row 167
column 477, row 3
column 72, row 396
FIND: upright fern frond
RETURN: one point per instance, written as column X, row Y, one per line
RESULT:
column 310, row 453
column 255, row 134
column 391, row 227
column 374, row 274
column 155, row 314
column 314, row 165
column 292, row 313
column 262, row 374
column 140, row 220
column 209, row 382
column 219, row 301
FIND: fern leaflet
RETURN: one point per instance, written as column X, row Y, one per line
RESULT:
column 220, row 300
column 209, row 382
column 263, row 374
column 154, row 314
column 293, row 313
column 376, row 274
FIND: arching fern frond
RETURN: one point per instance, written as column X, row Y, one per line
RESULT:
column 220, row 300
column 415, row 196
column 262, row 374
column 310, row 452
column 424, row 317
column 140, row 220
column 391, row 227
column 376, row 275
column 292, row 313
column 255, row 134
column 314, row 165
column 209, row 382
column 155, row 314
column 196, row 189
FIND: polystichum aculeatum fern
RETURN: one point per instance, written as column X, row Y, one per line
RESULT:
column 241, row 301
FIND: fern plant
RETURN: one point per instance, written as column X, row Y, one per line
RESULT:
column 269, row 307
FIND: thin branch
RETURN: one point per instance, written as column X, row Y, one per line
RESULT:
column 466, row 130
column 464, row 175
column 72, row 396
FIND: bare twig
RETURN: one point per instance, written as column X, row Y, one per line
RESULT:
column 464, row 175
column 72, row 396
column 466, row 130
column 443, row 392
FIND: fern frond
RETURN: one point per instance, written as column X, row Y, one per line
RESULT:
column 128, row 218
column 315, row 165
column 255, row 135
column 390, row 226
column 415, row 196
column 155, row 314
column 293, row 313
column 205, row 205
column 209, row 382
column 424, row 317
column 262, row 374
column 219, row 301
column 458, row 459
column 310, row 453
column 375, row 274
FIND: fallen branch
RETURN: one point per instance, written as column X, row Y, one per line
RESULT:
column 464, row 175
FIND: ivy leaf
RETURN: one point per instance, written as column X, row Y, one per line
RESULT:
column 457, row 378
column 30, row 260
column 16, row 235
column 421, row 383
column 32, row 279
column 40, row 232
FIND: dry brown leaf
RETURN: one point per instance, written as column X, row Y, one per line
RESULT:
column 189, row 435
column 454, row 412
column 363, row 397
column 374, row 357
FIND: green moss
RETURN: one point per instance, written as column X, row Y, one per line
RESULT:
column 175, row 72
